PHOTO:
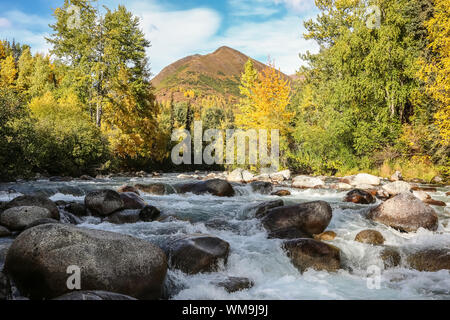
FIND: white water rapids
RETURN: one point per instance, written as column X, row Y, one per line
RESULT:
column 262, row 260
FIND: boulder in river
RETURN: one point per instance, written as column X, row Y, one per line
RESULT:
column 76, row 208
column 39, row 257
column 430, row 260
column 158, row 189
column 433, row 202
column 262, row 187
column 359, row 196
column 236, row 176
column 247, row 176
column 310, row 217
column 132, row 201
column 261, row 209
column 216, row 187
column 103, row 202
column 362, row 179
column 127, row 188
column 370, row 237
column 41, row 221
column 406, row 213
column 35, row 201
column 196, row 253
column 149, row 214
column 289, row 233
column 391, row 258
column 281, row 175
column 4, row 232
column 309, row 253
column 326, row 236
column 124, row 217
column 397, row 187
column 234, row 284
column 281, row 193
column 17, row 218
column 94, row 295
column 306, row 182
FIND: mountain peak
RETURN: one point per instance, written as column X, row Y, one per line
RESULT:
column 216, row 74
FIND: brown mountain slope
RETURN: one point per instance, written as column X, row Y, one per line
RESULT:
column 215, row 74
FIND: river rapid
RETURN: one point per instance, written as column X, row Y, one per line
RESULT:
column 262, row 260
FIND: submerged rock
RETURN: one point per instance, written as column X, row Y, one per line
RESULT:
column 35, row 201
column 196, row 253
column 216, row 187
column 310, row 218
column 18, row 218
column 39, row 257
column 406, row 213
column 391, row 258
column 94, row 295
column 234, row 284
column 370, row 237
column 359, row 196
column 261, row 187
column 305, row 182
column 430, row 260
column 309, row 253
column 103, row 202
column 289, row 233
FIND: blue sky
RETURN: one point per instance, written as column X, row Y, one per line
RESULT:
column 177, row 28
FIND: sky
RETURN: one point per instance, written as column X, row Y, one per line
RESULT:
column 179, row 28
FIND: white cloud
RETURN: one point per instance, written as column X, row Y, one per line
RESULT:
column 297, row 5
column 175, row 34
column 281, row 39
column 4, row 23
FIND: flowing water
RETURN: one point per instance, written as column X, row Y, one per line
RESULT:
column 262, row 260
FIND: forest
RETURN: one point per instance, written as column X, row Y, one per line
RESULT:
column 372, row 99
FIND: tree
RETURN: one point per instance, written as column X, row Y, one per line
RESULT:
column 436, row 69
column 8, row 72
column 26, row 69
column 107, row 56
column 266, row 99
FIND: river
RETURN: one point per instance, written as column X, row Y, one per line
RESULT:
column 262, row 260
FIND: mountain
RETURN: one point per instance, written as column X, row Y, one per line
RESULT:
column 216, row 74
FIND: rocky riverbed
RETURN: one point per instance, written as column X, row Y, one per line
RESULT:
column 225, row 236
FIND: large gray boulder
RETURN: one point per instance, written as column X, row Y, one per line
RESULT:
column 18, row 218
column 39, row 257
column 406, row 213
column 309, row 218
column 132, row 201
column 309, row 253
column 35, row 201
column 261, row 209
column 196, row 253
column 216, row 187
column 103, row 202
